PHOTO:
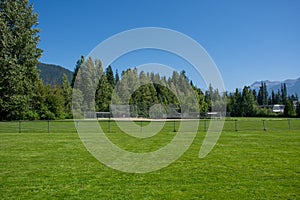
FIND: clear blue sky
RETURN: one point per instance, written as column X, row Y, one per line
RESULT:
column 248, row 40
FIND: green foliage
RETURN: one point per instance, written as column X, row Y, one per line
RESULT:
column 242, row 104
column 87, row 79
column 54, row 103
column 265, row 112
column 67, row 94
column 103, row 94
column 289, row 110
column 77, row 67
column 18, row 58
column 298, row 109
column 234, row 104
column 262, row 97
column 110, row 76
column 143, row 91
column 284, row 94
column 247, row 103
column 117, row 79
column 32, row 115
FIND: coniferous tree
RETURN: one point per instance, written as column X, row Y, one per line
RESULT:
column 86, row 83
column 298, row 109
column 103, row 94
column 187, row 93
column 254, row 95
column 19, row 56
column 235, row 104
column 110, row 76
column 247, row 103
column 208, row 97
column 283, row 94
column 117, row 78
column 88, row 88
column 203, row 106
column 77, row 67
column 67, row 94
column 273, row 99
column 278, row 98
column 262, row 97
column 289, row 110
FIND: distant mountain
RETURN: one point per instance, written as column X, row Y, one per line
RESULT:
column 292, row 85
column 52, row 74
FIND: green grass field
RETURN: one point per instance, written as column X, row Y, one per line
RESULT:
column 247, row 164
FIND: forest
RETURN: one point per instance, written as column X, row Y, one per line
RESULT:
column 23, row 95
column 143, row 90
column 49, row 102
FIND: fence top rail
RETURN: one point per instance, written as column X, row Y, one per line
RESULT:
column 40, row 120
column 260, row 119
column 158, row 119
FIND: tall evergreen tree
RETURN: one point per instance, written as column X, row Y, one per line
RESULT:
column 262, row 97
column 18, row 58
column 289, row 110
column 234, row 106
column 117, row 78
column 298, row 109
column 247, row 103
column 67, row 94
column 103, row 94
column 86, row 82
column 203, row 106
column 283, row 94
column 273, row 98
column 208, row 97
column 110, row 76
column 254, row 95
column 278, row 98
column 77, row 67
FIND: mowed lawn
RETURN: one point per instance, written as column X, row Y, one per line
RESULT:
column 247, row 164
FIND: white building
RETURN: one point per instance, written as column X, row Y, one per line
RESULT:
column 277, row 108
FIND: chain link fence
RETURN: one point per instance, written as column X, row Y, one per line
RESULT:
column 171, row 125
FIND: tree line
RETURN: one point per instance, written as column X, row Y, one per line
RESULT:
column 143, row 90
column 24, row 96
column 140, row 90
column 250, row 103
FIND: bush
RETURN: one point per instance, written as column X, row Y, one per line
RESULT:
column 31, row 115
column 265, row 112
column 45, row 114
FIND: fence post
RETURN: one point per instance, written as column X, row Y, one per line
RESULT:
column 20, row 128
column 174, row 126
column 77, row 124
column 108, row 125
column 235, row 125
column 141, row 124
column 204, row 125
column 264, row 125
column 289, row 122
column 48, row 126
